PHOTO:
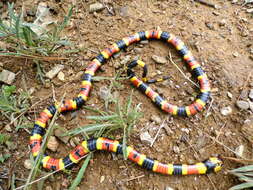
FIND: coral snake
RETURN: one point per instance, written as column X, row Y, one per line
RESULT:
column 213, row 164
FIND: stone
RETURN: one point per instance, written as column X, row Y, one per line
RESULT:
column 52, row 143
column 222, row 22
column 243, row 105
column 102, row 178
column 58, row 133
column 123, row 11
column 239, row 151
column 247, row 130
column 249, row 10
column 230, row 95
column 146, row 138
column 251, row 106
column 96, row 7
column 104, row 93
column 176, row 149
column 244, row 94
column 235, row 54
column 53, row 72
column 168, row 188
column 226, row 110
column 7, row 77
column 28, row 164
column 251, row 94
column 156, row 119
column 159, row 59
column 61, row 76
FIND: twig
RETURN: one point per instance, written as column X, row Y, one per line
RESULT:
column 211, row 182
column 24, row 56
column 43, row 145
column 46, row 176
column 187, row 78
column 209, row 108
column 245, row 84
column 204, row 2
column 218, row 142
column 134, row 178
column 242, row 161
column 158, row 131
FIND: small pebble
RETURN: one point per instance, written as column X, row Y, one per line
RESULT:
column 144, row 42
column 239, row 151
column 102, row 178
column 176, row 149
column 52, row 143
column 243, row 105
column 168, row 188
column 159, row 59
column 146, row 138
column 251, row 94
column 235, row 54
column 250, row 10
column 58, row 133
column 244, row 94
column 222, row 22
column 123, row 11
column 7, row 77
column 96, row 7
column 230, row 95
column 61, row 76
column 104, row 93
column 156, row 119
column 226, row 110
column 28, row 164
column 54, row 71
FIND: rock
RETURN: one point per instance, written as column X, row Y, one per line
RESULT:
column 123, row 11
column 102, row 178
column 61, row 76
column 104, row 93
column 156, row 119
column 52, row 143
column 28, row 164
column 251, row 106
column 226, row 111
column 7, row 77
column 176, row 149
column 58, row 133
column 243, row 105
column 230, row 95
column 144, row 42
column 251, row 94
column 244, row 94
column 168, row 188
column 8, row 128
column 48, row 188
column 96, row 7
column 137, row 50
column 146, row 138
column 247, row 130
column 53, row 72
column 250, row 10
column 222, row 22
column 209, row 25
column 235, row 54
column 159, row 59
column 239, row 151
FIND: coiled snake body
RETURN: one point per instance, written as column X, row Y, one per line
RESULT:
column 212, row 164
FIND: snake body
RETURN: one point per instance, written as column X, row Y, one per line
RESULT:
column 212, row 164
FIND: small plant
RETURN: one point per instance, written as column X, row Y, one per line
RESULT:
column 244, row 174
column 22, row 39
column 123, row 117
column 4, row 140
column 12, row 104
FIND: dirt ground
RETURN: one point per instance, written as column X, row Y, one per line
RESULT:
column 220, row 39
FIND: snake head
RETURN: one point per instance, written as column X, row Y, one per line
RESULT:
column 213, row 164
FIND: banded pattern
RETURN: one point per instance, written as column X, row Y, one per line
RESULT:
column 212, row 164
column 158, row 100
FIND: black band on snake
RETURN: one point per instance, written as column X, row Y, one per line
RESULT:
column 212, row 164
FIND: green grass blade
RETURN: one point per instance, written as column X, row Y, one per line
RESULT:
column 28, row 36
column 80, row 174
column 102, row 118
column 242, row 186
column 243, row 169
column 88, row 128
